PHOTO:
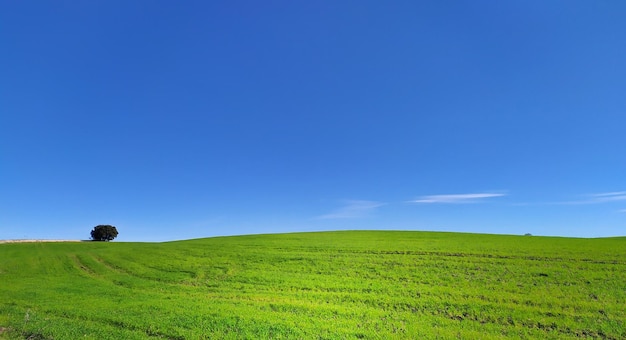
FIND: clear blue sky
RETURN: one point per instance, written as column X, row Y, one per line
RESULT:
column 175, row 120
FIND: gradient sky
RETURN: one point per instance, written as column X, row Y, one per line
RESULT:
column 175, row 120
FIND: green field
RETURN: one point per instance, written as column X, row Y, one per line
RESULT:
column 330, row 285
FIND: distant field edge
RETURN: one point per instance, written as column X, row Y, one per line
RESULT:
column 432, row 232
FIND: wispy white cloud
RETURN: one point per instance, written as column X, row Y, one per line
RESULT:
column 353, row 209
column 605, row 197
column 605, row 194
column 457, row 198
column 609, row 196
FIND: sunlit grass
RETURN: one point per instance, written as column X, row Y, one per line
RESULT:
column 334, row 285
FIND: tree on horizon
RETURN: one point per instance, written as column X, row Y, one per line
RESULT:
column 104, row 232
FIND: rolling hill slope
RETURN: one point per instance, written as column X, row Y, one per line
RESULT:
column 329, row 285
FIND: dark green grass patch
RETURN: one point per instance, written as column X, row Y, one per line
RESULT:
column 332, row 285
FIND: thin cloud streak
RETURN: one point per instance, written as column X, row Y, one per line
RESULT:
column 599, row 198
column 457, row 198
column 610, row 196
column 604, row 194
column 353, row 209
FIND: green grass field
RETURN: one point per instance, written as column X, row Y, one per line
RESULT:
column 330, row 285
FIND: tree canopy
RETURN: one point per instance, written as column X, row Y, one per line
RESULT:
column 104, row 232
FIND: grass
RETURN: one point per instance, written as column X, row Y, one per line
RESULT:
column 330, row 285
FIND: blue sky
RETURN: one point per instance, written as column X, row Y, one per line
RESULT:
column 176, row 120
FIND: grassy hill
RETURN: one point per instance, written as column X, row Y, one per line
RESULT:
column 330, row 285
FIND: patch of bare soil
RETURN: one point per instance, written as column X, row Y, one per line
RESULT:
column 30, row 241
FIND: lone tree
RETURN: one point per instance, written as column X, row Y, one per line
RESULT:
column 103, row 232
